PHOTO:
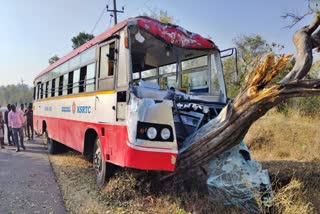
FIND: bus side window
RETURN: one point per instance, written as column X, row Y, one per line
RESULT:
column 41, row 91
column 34, row 93
column 60, row 85
column 70, row 82
column 57, row 88
column 47, row 88
column 90, row 78
column 53, row 85
column 83, row 74
column 76, row 77
column 65, row 84
column 38, row 91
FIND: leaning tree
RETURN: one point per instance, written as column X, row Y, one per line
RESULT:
column 257, row 97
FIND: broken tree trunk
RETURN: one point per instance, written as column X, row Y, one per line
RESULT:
column 257, row 97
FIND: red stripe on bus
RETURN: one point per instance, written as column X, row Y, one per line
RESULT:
column 114, row 143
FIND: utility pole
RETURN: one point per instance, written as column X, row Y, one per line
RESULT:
column 115, row 11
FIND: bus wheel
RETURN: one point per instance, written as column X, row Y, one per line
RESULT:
column 99, row 164
column 51, row 144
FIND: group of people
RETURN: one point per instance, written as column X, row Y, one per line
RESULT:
column 19, row 123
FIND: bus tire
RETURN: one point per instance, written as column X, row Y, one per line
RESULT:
column 99, row 165
column 51, row 144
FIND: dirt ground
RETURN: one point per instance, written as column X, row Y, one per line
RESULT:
column 287, row 147
column 27, row 183
column 124, row 194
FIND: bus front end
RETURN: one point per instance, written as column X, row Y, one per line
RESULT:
column 176, row 86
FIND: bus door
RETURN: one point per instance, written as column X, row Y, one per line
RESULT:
column 122, row 79
column 105, row 98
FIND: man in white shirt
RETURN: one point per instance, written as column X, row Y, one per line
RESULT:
column 24, row 124
column 15, row 122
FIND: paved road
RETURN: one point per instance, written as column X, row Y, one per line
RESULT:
column 27, row 183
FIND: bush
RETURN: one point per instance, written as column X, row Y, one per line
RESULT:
column 305, row 106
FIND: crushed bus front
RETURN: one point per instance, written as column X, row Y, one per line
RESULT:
column 176, row 86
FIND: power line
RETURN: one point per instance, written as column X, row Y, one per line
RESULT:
column 95, row 25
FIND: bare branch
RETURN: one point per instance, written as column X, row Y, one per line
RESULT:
column 304, row 43
column 312, row 9
column 295, row 18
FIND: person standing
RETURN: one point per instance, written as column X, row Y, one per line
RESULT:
column 29, row 115
column 24, row 124
column 1, row 132
column 15, row 122
column 9, row 131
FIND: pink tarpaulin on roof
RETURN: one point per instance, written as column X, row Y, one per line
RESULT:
column 173, row 34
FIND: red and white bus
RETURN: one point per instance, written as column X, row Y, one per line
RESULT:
column 131, row 95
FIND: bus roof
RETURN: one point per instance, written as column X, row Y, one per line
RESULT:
column 170, row 33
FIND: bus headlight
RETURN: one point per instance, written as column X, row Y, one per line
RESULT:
column 165, row 133
column 152, row 133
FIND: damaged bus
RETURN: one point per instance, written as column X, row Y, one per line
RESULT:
column 130, row 96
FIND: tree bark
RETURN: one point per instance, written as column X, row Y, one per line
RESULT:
column 232, row 124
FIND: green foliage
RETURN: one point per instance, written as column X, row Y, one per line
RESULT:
column 161, row 15
column 314, row 72
column 233, row 84
column 305, row 106
column 80, row 39
column 20, row 93
column 53, row 59
column 250, row 50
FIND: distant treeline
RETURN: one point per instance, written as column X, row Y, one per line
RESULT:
column 15, row 94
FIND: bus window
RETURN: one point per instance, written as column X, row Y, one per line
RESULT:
column 83, row 73
column 34, row 93
column 168, row 69
column 111, row 59
column 168, row 82
column 194, row 63
column 122, row 76
column 136, row 76
column 149, row 73
column 65, row 84
column 41, row 91
column 90, row 80
column 60, row 85
column 53, row 85
column 107, row 58
column 56, row 90
column 196, row 81
column 88, row 56
column 76, row 76
column 47, row 88
column 106, row 67
column 38, row 91
column 168, row 76
column 70, row 82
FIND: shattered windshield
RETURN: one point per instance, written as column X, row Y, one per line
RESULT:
column 158, row 62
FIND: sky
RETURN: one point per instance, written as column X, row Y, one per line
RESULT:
column 33, row 31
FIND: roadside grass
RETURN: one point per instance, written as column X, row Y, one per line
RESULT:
column 287, row 146
column 279, row 137
column 128, row 191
